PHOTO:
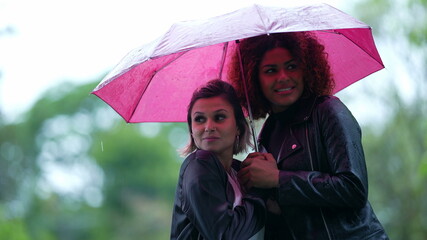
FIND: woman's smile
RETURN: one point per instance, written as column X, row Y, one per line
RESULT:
column 284, row 90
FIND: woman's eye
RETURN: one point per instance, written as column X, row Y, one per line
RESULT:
column 220, row 117
column 199, row 119
column 270, row 70
column 292, row 66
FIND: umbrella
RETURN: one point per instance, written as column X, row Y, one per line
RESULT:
column 154, row 82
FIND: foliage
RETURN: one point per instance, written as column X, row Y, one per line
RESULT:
column 116, row 181
column 397, row 162
column 12, row 229
column 396, row 150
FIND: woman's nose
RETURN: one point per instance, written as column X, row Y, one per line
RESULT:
column 210, row 126
column 283, row 75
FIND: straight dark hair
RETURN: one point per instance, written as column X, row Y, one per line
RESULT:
column 215, row 88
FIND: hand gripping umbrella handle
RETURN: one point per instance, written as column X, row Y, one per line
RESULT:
column 251, row 120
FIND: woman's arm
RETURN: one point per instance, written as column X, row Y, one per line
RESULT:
column 346, row 185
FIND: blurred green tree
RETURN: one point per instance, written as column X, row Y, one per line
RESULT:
column 396, row 148
column 73, row 169
column 12, row 229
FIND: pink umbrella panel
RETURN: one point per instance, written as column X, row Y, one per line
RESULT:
column 154, row 83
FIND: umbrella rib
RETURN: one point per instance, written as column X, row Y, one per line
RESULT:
column 262, row 20
column 251, row 119
column 224, row 55
column 151, row 78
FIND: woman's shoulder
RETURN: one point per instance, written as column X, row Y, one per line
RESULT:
column 205, row 155
column 330, row 104
column 202, row 166
column 199, row 154
column 200, row 160
column 328, row 100
column 331, row 109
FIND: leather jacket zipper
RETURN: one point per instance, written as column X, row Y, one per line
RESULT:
column 312, row 169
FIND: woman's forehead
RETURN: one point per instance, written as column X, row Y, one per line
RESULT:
column 212, row 104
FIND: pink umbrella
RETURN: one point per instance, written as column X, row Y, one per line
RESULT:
column 154, row 83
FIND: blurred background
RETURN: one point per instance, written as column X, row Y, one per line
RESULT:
column 72, row 169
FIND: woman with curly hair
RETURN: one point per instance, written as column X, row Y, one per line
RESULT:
column 311, row 156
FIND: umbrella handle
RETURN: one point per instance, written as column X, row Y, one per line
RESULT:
column 251, row 119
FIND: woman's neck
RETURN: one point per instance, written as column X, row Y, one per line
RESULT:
column 226, row 160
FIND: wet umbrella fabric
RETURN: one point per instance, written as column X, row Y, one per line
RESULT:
column 154, row 82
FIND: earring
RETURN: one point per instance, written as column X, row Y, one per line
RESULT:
column 236, row 143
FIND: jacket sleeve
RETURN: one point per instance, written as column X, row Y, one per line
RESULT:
column 346, row 184
column 205, row 201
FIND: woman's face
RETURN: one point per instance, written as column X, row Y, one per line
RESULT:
column 214, row 125
column 281, row 78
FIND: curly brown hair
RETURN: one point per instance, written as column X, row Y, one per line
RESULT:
column 304, row 46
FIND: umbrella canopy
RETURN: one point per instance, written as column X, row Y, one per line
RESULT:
column 154, row 82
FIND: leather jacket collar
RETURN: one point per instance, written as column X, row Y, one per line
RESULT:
column 297, row 113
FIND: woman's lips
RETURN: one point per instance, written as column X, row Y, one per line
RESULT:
column 284, row 90
column 210, row 138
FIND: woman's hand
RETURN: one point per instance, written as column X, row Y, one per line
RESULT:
column 259, row 170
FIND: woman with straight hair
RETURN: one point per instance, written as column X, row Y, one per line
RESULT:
column 209, row 202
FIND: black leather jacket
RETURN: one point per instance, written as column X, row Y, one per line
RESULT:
column 203, row 207
column 323, row 185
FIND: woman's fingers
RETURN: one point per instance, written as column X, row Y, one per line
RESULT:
column 259, row 170
column 250, row 158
